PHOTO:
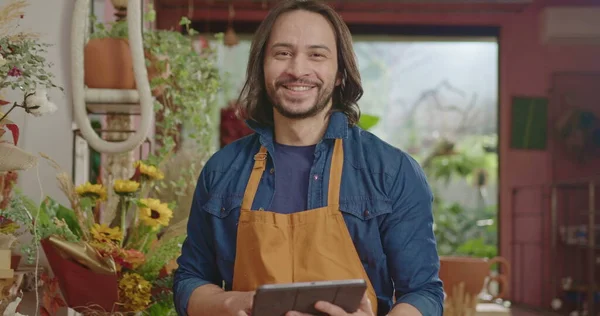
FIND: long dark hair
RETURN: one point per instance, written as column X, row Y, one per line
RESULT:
column 253, row 101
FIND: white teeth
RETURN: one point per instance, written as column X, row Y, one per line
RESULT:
column 299, row 88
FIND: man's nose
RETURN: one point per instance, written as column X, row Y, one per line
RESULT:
column 298, row 67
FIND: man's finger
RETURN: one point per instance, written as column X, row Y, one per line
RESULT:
column 241, row 313
column 365, row 304
column 294, row 313
column 330, row 309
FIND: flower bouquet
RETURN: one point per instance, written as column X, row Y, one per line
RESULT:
column 109, row 261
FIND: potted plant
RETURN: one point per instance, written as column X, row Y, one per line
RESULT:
column 107, row 56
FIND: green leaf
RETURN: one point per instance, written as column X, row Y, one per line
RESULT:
column 54, row 209
column 367, row 121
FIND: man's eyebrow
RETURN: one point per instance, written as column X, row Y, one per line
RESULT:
column 288, row 45
column 320, row 47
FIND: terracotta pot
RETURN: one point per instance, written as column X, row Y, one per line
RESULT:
column 473, row 272
column 108, row 64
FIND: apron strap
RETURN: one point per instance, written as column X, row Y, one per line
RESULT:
column 335, row 173
column 260, row 164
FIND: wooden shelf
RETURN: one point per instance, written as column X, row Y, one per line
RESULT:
column 125, row 109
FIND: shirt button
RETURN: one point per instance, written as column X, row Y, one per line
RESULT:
column 316, row 177
column 272, row 171
column 261, row 209
column 366, row 213
column 222, row 209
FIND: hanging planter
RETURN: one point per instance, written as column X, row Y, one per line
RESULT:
column 108, row 64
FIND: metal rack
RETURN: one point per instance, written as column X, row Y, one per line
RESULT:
column 555, row 246
column 575, row 250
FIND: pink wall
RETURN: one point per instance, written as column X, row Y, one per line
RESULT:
column 526, row 66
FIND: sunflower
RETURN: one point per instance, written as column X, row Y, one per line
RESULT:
column 154, row 213
column 103, row 233
column 134, row 292
column 126, row 187
column 94, row 191
column 149, row 172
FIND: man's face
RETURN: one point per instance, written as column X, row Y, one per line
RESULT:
column 300, row 64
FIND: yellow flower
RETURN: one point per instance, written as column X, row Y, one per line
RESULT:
column 103, row 247
column 149, row 172
column 103, row 233
column 126, row 186
column 9, row 228
column 96, row 191
column 134, row 292
column 154, row 213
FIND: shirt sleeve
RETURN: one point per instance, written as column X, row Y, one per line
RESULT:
column 196, row 265
column 409, row 241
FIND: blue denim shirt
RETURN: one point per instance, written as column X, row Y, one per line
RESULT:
column 385, row 200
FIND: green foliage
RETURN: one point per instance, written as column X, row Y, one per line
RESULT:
column 163, row 305
column 117, row 29
column 189, row 101
column 157, row 258
column 367, row 121
column 25, row 212
column 189, row 97
column 50, row 210
column 459, row 230
column 25, row 56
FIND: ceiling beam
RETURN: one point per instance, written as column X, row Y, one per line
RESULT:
column 466, row 12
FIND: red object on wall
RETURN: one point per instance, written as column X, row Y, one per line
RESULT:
column 232, row 128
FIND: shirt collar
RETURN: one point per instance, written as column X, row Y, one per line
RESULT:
column 337, row 128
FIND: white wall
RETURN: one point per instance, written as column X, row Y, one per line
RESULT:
column 51, row 134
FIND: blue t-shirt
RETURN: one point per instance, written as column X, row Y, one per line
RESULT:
column 292, row 173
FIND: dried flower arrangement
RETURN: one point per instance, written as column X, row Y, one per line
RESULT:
column 133, row 255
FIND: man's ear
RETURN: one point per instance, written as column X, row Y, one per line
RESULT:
column 338, row 79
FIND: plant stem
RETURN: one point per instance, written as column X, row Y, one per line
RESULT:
column 6, row 114
column 144, row 242
column 125, row 207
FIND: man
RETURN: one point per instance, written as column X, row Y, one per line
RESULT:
column 309, row 196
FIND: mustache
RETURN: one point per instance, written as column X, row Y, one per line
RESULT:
column 286, row 81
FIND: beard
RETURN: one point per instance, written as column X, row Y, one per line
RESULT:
column 324, row 96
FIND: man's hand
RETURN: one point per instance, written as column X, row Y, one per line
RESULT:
column 364, row 309
column 239, row 304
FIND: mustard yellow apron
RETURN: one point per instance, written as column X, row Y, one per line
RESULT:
column 308, row 246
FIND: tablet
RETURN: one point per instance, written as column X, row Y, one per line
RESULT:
column 278, row 299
